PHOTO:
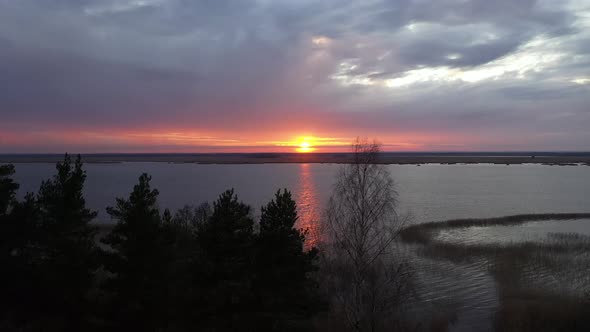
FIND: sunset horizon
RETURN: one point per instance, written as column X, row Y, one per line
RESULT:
column 168, row 76
column 295, row 165
column 185, row 142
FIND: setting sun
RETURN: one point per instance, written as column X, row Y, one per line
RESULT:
column 305, row 146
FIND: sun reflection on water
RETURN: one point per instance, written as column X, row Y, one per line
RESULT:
column 308, row 205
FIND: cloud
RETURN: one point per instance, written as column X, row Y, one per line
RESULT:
column 225, row 69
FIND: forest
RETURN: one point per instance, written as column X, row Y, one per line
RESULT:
column 204, row 267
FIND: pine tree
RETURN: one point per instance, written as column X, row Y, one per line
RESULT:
column 11, row 248
column 284, row 286
column 67, row 255
column 8, row 188
column 22, row 258
column 224, row 268
column 138, row 261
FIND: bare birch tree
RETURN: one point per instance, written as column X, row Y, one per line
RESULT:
column 363, row 276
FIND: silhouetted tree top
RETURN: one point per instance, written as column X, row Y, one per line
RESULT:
column 138, row 219
column 365, row 152
column 284, row 285
column 230, row 227
column 280, row 214
column 231, row 214
column 53, row 251
column 139, row 260
column 141, row 203
column 277, row 229
column 61, row 199
column 279, row 241
column 8, row 187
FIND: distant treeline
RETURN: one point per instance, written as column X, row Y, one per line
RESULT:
column 538, row 157
column 204, row 268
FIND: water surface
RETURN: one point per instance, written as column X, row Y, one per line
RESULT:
column 428, row 192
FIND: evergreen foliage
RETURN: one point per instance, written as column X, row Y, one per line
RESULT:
column 50, row 251
column 138, row 261
column 285, row 290
column 225, row 266
column 8, row 188
column 199, row 268
column 68, row 251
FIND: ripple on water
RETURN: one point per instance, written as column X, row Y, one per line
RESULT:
column 472, row 285
column 466, row 288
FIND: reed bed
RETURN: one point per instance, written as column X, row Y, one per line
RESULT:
column 542, row 285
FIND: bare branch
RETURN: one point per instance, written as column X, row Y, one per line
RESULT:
column 362, row 223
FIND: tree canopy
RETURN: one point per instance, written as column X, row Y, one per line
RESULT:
column 210, row 267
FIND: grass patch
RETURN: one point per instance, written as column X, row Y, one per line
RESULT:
column 423, row 233
column 542, row 286
column 525, row 310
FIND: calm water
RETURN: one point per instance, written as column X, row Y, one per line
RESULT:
column 428, row 192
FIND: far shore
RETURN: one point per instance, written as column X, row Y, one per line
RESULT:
column 506, row 158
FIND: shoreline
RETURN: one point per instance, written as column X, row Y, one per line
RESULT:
column 560, row 159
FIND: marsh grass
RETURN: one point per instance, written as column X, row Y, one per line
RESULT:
column 530, row 302
column 535, row 310
column 423, row 233
column 542, row 285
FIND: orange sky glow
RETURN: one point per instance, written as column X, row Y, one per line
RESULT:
column 171, row 141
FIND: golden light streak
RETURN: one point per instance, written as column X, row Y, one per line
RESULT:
column 308, row 206
column 174, row 140
column 304, row 147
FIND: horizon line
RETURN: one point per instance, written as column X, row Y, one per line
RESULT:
column 291, row 152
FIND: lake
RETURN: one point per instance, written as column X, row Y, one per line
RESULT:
column 429, row 192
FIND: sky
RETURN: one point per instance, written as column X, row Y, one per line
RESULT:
column 293, row 75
